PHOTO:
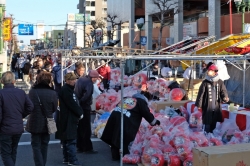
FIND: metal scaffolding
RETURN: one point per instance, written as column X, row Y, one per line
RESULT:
column 122, row 54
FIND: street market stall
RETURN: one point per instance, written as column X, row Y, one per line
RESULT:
column 177, row 122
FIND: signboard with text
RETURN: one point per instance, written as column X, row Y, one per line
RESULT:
column 189, row 29
column 25, row 29
column 75, row 17
column 143, row 40
column 7, row 28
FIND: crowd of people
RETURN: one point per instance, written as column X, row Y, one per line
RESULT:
column 42, row 74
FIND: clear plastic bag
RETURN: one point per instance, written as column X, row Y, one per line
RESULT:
column 151, row 147
column 195, row 120
column 246, row 136
column 184, row 112
column 131, row 159
column 188, row 161
column 198, row 139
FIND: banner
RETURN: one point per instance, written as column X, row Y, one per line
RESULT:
column 7, row 29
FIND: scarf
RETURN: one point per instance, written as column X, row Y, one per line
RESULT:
column 212, row 78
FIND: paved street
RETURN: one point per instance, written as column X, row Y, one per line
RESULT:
column 25, row 158
column 55, row 157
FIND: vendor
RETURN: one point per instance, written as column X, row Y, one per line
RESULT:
column 134, row 109
column 105, row 73
column 211, row 93
column 166, row 71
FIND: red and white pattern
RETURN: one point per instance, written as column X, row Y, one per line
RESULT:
column 242, row 116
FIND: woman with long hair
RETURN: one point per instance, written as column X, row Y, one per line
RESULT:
column 37, row 120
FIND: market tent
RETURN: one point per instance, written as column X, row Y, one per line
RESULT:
column 223, row 43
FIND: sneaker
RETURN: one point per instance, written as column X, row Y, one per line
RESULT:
column 91, row 152
column 75, row 163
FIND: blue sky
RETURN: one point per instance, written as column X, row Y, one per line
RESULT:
column 51, row 12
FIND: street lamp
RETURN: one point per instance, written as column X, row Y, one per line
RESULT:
column 242, row 4
column 2, row 10
column 140, row 23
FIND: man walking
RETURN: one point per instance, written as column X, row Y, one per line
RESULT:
column 84, row 91
column 70, row 113
column 14, row 106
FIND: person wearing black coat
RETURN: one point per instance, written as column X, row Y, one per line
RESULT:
column 134, row 109
column 37, row 123
column 69, row 116
column 211, row 94
column 84, row 90
column 14, row 106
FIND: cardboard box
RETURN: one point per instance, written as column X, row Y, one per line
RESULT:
column 228, row 155
column 159, row 105
column 195, row 94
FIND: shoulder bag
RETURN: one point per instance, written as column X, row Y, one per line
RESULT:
column 51, row 124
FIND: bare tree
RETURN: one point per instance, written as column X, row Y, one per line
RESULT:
column 13, row 43
column 167, row 9
column 98, row 23
column 113, row 20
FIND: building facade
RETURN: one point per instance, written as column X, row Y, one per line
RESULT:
column 95, row 8
column 40, row 31
column 57, row 38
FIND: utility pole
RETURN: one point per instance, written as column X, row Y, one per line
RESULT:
column 84, row 24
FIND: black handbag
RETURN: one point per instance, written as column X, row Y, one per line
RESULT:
column 51, row 124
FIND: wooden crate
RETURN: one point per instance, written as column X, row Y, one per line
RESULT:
column 179, row 80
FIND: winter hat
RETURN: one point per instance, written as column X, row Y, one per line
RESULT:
column 209, row 64
column 213, row 68
column 93, row 74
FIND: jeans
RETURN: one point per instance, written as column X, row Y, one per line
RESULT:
column 69, row 150
column 39, row 143
column 84, row 132
column 8, row 144
column 20, row 73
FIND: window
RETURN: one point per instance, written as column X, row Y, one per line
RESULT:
column 92, row 13
column 104, row 2
column 92, row 4
column 104, row 10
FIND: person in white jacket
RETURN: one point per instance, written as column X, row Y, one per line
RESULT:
column 166, row 71
column 96, row 93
